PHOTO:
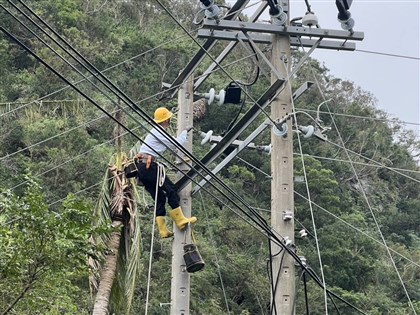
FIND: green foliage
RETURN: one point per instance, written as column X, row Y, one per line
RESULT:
column 43, row 254
column 35, row 239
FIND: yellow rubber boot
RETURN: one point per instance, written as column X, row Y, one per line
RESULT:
column 180, row 220
column 163, row 229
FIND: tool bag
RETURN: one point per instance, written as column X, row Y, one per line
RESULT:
column 130, row 169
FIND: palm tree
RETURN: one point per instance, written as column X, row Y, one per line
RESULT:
column 116, row 205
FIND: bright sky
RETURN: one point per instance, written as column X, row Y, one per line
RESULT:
column 390, row 27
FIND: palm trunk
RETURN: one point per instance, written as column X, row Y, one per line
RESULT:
column 108, row 273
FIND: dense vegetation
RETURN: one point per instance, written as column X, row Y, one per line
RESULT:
column 56, row 146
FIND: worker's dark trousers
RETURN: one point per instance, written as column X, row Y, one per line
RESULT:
column 149, row 178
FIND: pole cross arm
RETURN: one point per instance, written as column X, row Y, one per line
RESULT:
column 288, row 30
column 234, row 37
column 233, row 133
column 239, row 147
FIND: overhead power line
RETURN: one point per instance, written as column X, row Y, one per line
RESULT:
column 387, row 54
column 263, row 226
column 357, row 229
column 102, row 71
column 395, row 120
column 364, row 194
column 259, row 221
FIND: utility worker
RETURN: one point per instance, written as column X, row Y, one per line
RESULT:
column 155, row 143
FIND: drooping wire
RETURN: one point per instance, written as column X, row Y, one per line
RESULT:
column 308, row 194
column 72, row 159
column 276, row 281
column 371, row 160
column 306, row 293
column 358, row 230
column 258, row 220
column 233, row 121
column 302, row 276
column 149, row 272
column 212, row 58
column 210, row 230
column 104, row 80
column 363, row 192
column 76, row 127
column 221, row 183
column 271, row 277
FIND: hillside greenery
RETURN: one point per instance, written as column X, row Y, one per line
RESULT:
column 55, row 147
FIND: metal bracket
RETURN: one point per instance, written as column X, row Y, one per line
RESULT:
column 287, row 215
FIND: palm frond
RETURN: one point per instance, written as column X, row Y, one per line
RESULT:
column 102, row 218
column 119, row 198
column 134, row 266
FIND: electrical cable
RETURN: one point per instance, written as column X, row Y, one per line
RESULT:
column 308, row 6
column 330, row 293
column 257, row 74
column 276, row 282
column 221, row 183
column 105, row 81
column 102, row 71
column 116, row 65
column 254, row 219
column 348, row 225
column 302, row 273
column 358, row 230
column 387, row 54
column 74, row 128
column 41, row 99
column 210, row 230
column 273, row 7
column 233, row 121
column 58, row 74
column 144, row 115
column 149, row 273
column 308, row 194
column 361, row 117
column 371, row 160
column 271, row 278
column 214, row 60
column 365, row 196
column 359, row 163
column 254, row 167
column 70, row 160
column 306, row 292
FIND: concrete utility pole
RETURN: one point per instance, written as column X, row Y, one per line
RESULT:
column 281, row 35
column 282, row 203
column 180, row 285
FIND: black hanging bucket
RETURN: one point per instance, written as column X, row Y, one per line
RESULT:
column 192, row 258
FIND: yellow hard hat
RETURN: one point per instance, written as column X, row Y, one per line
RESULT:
column 162, row 114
